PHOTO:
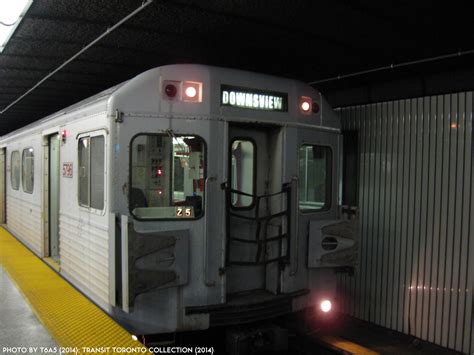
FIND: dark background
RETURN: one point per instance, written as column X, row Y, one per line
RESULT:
column 301, row 39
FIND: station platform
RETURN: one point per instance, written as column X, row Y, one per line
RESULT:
column 45, row 311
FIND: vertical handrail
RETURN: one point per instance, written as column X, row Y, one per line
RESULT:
column 294, row 226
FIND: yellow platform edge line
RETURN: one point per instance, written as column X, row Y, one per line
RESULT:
column 72, row 320
column 343, row 345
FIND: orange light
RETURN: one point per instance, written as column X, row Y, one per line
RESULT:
column 192, row 91
column 326, row 306
column 305, row 104
column 454, row 125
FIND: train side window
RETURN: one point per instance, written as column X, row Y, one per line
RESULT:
column 92, row 171
column 27, row 167
column 242, row 176
column 315, row 163
column 15, row 170
column 167, row 176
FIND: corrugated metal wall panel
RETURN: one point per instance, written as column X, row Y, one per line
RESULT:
column 416, row 267
column 84, row 253
column 24, row 221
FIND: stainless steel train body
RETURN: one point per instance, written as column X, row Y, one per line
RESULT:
column 184, row 198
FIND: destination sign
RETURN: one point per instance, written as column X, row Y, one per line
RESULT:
column 253, row 99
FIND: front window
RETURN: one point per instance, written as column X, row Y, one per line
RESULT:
column 167, row 176
column 314, row 178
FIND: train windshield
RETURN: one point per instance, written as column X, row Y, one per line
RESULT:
column 167, row 176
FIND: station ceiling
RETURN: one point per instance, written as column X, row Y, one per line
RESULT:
column 303, row 39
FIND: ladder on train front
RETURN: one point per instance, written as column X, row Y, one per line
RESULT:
column 270, row 229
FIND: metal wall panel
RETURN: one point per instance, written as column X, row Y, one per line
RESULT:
column 416, row 257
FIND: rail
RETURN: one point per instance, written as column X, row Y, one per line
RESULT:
column 261, row 223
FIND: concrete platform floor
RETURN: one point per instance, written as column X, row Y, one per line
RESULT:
column 19, row 326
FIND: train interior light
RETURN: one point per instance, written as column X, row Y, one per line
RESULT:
column 11, row 14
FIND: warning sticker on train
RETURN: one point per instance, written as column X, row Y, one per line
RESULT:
column 67, row 170
column 254, row 99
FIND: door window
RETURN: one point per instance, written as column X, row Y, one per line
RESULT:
column 28, row 170
column 242, row 176
column 315, row 163
column 15, row 170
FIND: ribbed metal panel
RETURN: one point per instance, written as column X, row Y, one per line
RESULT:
column 416, row 260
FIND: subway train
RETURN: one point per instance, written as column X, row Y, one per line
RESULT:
column 185, row 198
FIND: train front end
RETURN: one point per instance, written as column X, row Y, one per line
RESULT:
column 225, row 194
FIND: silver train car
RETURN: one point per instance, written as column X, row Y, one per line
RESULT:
column 185, row 198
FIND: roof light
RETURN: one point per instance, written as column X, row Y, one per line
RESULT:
column 305, row 104
column 192, row 91
column 326, row 306
column 11, row 14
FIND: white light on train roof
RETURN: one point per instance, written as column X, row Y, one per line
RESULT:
column 192, row 91
column 326, row 306
column 11, row 13
column 305, row 104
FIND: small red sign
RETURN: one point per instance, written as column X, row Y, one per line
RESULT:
column 67, row 170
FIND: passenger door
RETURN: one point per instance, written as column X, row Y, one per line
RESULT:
column 53, row 198
column 3, row 179
column 314, row 163
column 254, row 196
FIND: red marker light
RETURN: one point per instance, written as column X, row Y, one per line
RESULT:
column 315, row 107
column 64, row 135
column 159, row 171
column 170, row 90
column 305, row 104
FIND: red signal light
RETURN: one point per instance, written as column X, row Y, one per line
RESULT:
column 170, row 90
column 315, row 107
